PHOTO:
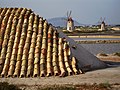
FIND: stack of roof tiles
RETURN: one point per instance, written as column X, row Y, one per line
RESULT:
column 30, row 47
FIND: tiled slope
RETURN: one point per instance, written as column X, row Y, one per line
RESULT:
column 30, row 47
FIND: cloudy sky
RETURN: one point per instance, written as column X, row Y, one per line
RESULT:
column 83, row 11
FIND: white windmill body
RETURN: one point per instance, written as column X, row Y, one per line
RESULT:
column 102, row 26
column 70, row 22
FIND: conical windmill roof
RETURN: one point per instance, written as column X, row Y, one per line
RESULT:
column 31, row 47
column 70, row 19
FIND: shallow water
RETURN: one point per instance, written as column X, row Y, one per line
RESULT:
column 102, row 48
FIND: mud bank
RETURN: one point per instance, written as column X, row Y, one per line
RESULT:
column 95, row 36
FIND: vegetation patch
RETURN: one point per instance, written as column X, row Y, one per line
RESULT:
column 57, row 87
column 90, row 31
column 102, row 86
column 6, row 86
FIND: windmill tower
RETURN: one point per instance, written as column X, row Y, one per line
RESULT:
column 102, row 26
column 70, row 22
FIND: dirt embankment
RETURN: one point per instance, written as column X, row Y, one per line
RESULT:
column 95, row 36
column 109, row 57
column 97, row 41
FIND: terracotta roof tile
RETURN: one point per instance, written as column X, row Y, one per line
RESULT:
column 31, row 47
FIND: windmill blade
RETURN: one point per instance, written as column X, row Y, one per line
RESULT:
column 70, row 13
column 101, row 19
column 104, row 19
column 67, row 14
column 98, row 22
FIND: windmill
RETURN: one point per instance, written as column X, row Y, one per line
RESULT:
column 70, row 22
column 102, row 22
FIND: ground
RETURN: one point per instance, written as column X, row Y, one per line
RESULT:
column 109, row 75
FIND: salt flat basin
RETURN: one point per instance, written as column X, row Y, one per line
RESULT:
column 102, row 48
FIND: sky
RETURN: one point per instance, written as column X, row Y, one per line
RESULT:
column 83, row 11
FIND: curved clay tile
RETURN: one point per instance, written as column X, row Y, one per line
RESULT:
column 38, row 49
column 66, row 59
column 15, row 43
column 26, row 46
column 55, row 54
column 21, row 42
column 5, row 43
column 74, row 64
column 43, row 51
column 2, row 14
column 32, row 48
column 3, row 26
column 49, row 52
column 61, row 58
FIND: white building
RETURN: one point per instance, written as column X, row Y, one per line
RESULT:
column 70, row 24
column 102, row 26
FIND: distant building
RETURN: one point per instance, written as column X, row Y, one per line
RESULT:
column 70, row 24
column 102, row 26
